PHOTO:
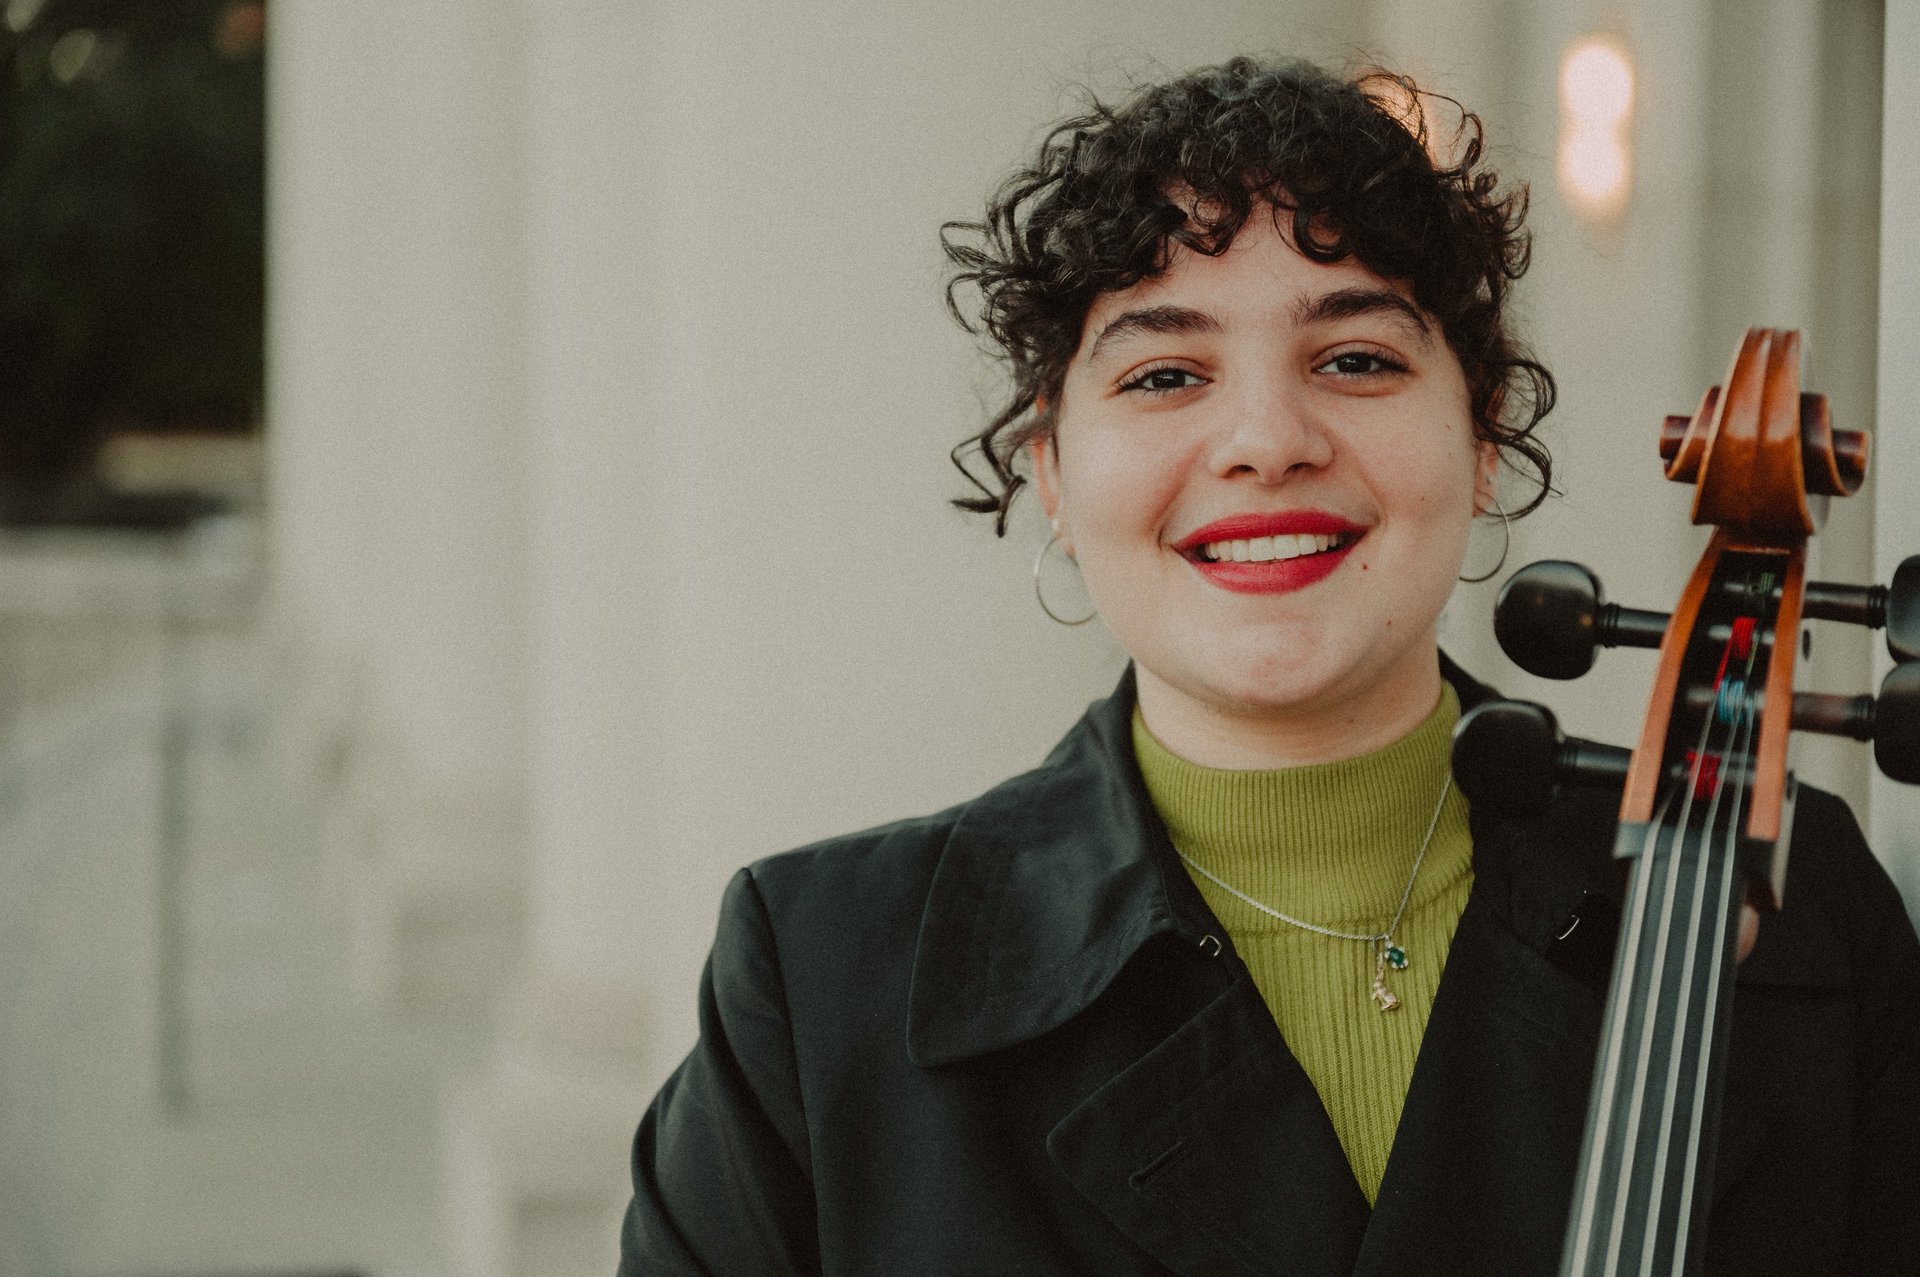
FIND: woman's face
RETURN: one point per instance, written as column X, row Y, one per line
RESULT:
column 1266, row 469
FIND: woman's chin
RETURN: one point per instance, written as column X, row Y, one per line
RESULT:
column 1291, row 688
column 1262, row 692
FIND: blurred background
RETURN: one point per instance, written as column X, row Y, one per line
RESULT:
column 473, row 473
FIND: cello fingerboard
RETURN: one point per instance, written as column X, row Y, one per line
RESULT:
column 1642, row 1187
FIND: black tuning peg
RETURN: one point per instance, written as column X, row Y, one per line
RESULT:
column 1511, row 755
column 1551, row 615
column 1896, row 715
column 1890, row 720
column 1903, row 611
column 1895, row 606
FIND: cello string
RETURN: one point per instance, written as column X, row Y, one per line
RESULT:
column 1724, row 905
column 1652, row 992
column 1702, row 1066
column 1737, row 736
column 1654, row 983
column 1613, row 1037
column 1685, row 1026
column 1653, row 988
column 1620, row 1024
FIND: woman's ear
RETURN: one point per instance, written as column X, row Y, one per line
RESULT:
column 1486, row 473
column 1045, row 458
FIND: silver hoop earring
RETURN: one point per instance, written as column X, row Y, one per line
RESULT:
column 1039, row 560
column 1506, row 544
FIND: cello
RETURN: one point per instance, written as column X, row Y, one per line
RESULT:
column 1707, row 794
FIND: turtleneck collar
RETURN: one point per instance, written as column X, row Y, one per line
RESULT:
column 1330, row 842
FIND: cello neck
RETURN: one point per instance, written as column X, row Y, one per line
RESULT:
column 1643, row 1183
column 1644, row 1178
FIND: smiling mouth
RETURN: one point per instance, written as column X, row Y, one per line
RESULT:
column 1273, row 549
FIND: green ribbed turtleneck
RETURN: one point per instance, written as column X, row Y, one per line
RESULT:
column 1332, row 844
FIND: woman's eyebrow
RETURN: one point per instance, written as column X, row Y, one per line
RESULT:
column 1153, row 319
column 1345, row 303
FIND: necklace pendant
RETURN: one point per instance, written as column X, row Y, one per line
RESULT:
column 1383, row 995
column 1396, row 957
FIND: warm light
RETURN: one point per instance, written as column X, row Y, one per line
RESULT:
column 1596, row 102
column 1595, row 171
column 1596, row 81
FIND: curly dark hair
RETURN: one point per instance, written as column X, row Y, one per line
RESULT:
column 1350, row 159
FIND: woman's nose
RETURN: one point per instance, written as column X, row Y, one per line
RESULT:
column 1268, row 430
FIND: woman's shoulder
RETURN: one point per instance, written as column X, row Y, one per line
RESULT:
column 871, row 888
column 883, row 868
column 1840, row 900
column 1843, row 929
column 854, row 936
column 976, row 926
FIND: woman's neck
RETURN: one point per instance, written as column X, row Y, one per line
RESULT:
column 1320, row 730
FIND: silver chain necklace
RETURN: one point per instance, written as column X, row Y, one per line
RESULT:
column 1385, row 952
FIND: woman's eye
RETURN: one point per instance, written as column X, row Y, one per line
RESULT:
column 1361, row 363
column 1162, row 379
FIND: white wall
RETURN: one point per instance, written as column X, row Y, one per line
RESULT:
column 397, row 402
column 1895, row 825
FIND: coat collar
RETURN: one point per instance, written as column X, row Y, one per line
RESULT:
column 1050, row 882
column 1047, row 885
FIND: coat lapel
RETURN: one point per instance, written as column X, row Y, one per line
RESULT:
column 1481, row 1172
column 1047, row 887
column 1482, row 1164
column 1214, row 1154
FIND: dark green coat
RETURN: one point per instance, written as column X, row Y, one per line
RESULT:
column 1009, row 1039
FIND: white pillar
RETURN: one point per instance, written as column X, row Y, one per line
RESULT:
column 1895, row 825
column 396, row 396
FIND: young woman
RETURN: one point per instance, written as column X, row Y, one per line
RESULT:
column 1235, row 983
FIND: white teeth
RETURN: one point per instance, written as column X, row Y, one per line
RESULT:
column 1269, row 549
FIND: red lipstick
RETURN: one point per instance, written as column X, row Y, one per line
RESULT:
column 1275, row 576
